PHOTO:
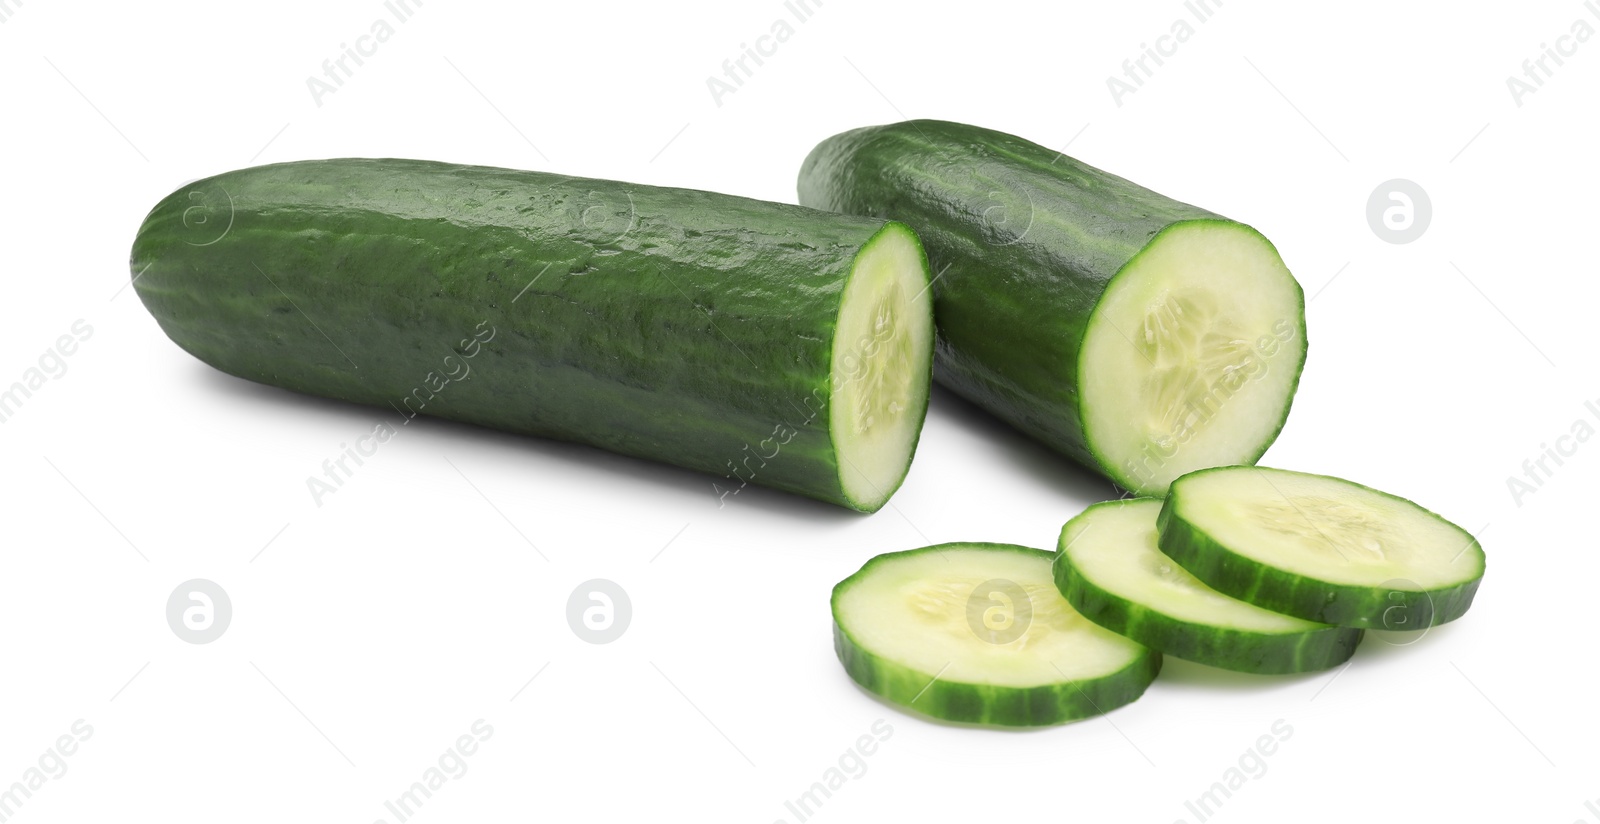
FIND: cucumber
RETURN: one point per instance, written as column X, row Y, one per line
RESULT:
column 760, row 342
column 1320, row 548
column 1110, row 570
column 1141, row 336
column 976, row 633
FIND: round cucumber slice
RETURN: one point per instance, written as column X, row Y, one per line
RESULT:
column 1320, row 548
column 977, row 633
column 1192, row 356
column 882, row 366
column 1111, row 571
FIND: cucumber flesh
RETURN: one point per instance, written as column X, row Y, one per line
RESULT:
column 1190, row 355
column 1320, row 548
column 882, row 363
column 1111, row 571
column 977, row 633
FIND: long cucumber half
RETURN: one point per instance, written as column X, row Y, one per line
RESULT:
column 977, row 633
column 1139, row 335
column 1320, row 548
column 1111, row 571
column 763, row 343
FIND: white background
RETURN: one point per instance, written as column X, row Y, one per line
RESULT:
column 373, row 630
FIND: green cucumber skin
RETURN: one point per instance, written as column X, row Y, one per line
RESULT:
column 1014, row 299
column 683, row 326
column 1238, row 650
column 1325, row 602
column 984, row 703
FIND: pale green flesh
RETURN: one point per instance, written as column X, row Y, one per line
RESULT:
column 882, row 356
column 1114, row 548
column 913, row 610
column 1329, row 529
column 1192, row 355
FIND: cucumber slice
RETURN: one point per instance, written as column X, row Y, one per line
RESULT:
column 977, row 633
column 1320, row 548
column 1110, row 570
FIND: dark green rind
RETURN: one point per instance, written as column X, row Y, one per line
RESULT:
column 919, row 692
column 678, row 325
column 1228, row 648
column 1024, row 241
column 1312, row 599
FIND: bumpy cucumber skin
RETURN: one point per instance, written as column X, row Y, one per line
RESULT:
column 984, row 704
column 683, row 326
column 1326, row 602
column 1239, row 650
column 1023, row 241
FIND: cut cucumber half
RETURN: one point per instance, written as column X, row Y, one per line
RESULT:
column 1320, row 548
column 1139, row 335
column 698, row 329
column 882, row 366
column 1111, row 571
column 977, row 633
column 1191, row 358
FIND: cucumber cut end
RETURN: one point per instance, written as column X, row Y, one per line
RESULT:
column 1192, row 356
column 882, row 366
